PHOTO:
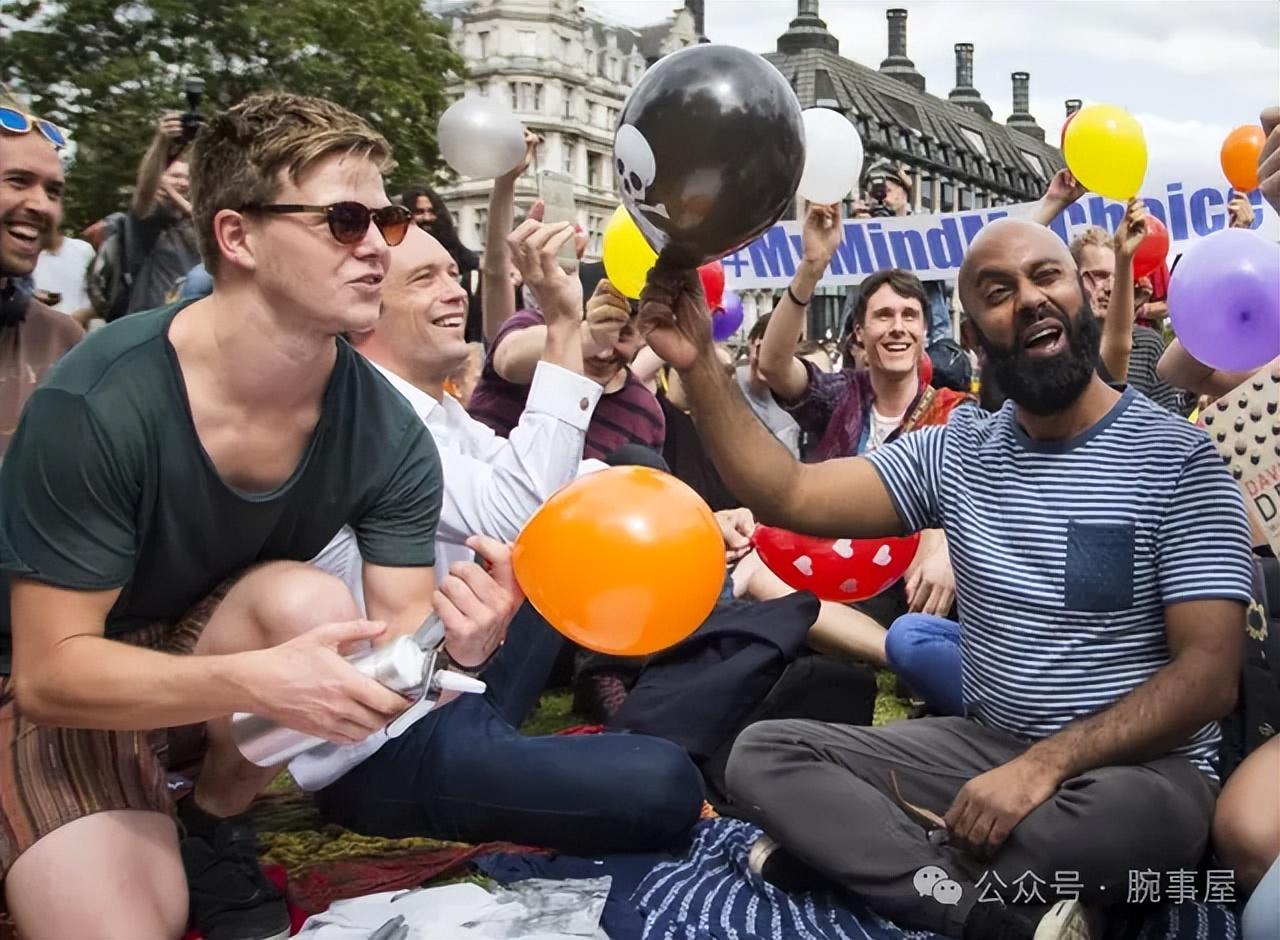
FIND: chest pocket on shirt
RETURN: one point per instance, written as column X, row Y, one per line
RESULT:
column 1099, row 575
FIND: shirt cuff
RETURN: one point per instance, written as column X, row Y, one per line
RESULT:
column 563, row 395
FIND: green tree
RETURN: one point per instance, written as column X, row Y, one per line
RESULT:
column 106, row 71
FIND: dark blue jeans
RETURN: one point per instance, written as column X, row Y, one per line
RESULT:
column 466, row 773
column 925, row 651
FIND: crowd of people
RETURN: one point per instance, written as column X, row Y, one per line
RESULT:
column 314, row 417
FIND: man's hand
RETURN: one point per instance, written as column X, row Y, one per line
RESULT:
column 534, row 247
column 1239, row 212
column 821, row 237
column 1269, row 159
column 931, row 583
column 736, row 526
column 990, row 805
column 476, row 605
column 674, row 316
column 1063, row 190
column 1132, row 230
column 608, row 312
column 306, row 684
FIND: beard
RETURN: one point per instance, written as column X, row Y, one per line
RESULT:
column 1048, row 386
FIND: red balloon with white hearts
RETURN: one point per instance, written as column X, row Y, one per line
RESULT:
column 835, row 569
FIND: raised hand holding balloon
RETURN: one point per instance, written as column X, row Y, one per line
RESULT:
column 708, row 153
column 835, row 569
column 480, row 138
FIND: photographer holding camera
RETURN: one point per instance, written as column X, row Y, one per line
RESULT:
column 888, row 194
column 157, row 243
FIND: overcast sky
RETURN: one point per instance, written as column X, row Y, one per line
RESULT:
column 1190, row 71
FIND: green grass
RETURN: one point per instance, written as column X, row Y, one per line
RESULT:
column 555, row 709
column 554, row 713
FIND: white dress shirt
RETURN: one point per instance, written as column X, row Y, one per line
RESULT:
column 492, row 485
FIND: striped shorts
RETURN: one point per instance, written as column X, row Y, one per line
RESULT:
column 52, row 776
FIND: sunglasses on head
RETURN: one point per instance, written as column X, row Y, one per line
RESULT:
column 19, row 122
column 349, row 221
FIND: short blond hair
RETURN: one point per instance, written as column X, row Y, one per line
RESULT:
column 240, row 155
column 1091, row 238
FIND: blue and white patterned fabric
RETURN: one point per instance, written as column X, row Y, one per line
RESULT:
column 710, row 895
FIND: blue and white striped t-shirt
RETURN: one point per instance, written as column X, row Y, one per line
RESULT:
column 1066, row 553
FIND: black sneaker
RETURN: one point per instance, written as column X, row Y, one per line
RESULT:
column 231, row 897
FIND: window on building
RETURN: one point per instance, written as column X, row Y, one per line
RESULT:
column 966, row 199
column 612, row 120
column 537, row 98
column 515, row 96
column 595, row 170
column 595, row 234
column 482, row 89
column 1034, row 162
column 948, row 197
column 527, row 42
column 568, row 106
column 483, row 36
column 567, row 148
column 482, row 226
column 566, row 51
column 526, row 96
column 976, row 139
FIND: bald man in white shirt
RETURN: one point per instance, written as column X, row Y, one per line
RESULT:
column 464, row 772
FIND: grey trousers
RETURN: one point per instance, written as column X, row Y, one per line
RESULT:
column 825, row 793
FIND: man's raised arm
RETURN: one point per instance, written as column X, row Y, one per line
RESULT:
column 838, row 498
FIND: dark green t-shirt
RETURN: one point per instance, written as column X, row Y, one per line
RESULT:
column 106, row 484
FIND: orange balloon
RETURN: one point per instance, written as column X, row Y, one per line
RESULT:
column 625, row 561
column 1240, row 152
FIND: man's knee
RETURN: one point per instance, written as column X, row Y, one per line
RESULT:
column 289, row 598
column 757, row 749
column 900, row 642
column 1130, row 817
column 669, row 799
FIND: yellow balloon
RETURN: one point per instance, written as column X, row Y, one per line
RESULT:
column 627, row 256
column 1106, row 151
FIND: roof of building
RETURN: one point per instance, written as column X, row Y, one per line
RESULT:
column 901, row 122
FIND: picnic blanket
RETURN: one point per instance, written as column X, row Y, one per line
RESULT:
column 710, row 895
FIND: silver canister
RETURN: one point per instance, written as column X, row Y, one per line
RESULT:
column 399, row 666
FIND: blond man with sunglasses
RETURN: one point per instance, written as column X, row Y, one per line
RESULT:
column 159, row 500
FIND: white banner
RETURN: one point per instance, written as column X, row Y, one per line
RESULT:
column 932, row 246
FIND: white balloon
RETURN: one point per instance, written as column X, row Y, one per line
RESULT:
column 832, row 156
column 481, row 138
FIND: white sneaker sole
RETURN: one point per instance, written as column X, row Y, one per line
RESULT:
column 1065, row 921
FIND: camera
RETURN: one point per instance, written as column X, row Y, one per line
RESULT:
column 878, row 192
column 192, row 118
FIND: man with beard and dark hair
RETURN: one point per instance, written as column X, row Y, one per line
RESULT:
column 1102, row 565
column 32, row 336
column 432, row 216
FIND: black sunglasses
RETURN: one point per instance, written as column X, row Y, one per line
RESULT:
column 349, row 221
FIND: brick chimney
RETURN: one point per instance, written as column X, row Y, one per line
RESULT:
column 964, row 94
column 897, row 65
column 1021, row 119
column 807, row 31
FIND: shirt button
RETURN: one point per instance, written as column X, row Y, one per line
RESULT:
column 583, row 404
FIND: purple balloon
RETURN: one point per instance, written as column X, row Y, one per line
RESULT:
column 725, row 322
column 732, row 303
column 1224, row 300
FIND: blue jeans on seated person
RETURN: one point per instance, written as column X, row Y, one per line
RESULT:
column 925, row 651
column 465, row 772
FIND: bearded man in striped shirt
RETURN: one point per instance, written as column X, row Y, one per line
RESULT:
column 1102, row 565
